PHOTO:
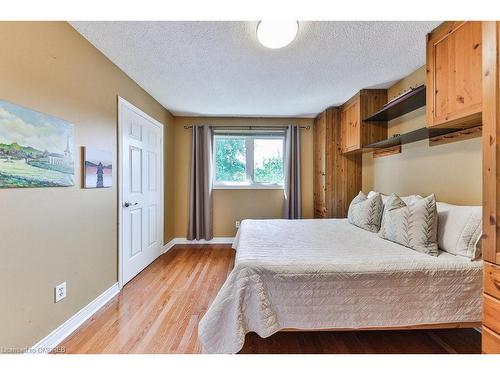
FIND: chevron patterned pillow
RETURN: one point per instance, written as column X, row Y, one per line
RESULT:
column 366, row 212
column 413, row 225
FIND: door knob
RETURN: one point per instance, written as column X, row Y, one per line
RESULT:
column 128, row 204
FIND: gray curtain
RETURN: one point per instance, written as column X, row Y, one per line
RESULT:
column 292, row 209
column 200, row 186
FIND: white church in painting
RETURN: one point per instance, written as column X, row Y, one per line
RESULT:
column 63, row 160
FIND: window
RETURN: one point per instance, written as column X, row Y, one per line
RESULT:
column 248, row 160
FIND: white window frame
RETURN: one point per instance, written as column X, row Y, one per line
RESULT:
column 249, row 148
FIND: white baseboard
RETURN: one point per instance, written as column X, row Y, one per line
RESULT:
column 185, row 241
column 215, row 240
column 168, row 245
column 49, row 342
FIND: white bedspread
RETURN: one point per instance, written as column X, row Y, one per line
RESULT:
column 320, row 274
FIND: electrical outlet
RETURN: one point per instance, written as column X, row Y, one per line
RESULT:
column 237, row 224
column 60, row 292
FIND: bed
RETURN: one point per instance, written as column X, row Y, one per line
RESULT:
column 330, row 275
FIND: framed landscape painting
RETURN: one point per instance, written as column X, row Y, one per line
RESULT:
column 98, row 169
column 36, row 150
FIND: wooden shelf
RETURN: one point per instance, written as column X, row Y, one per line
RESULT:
column 406, row 103
column 410, row 137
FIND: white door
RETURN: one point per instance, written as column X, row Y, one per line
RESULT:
column 141, row 189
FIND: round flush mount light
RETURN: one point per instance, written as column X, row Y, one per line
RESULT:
column 277, row 34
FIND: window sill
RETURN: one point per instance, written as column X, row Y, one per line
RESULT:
column 248, row 187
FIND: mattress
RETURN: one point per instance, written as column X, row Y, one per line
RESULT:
column 327, row 274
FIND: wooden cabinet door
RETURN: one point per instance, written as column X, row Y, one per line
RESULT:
column 319, row 183
column 355, row 127
column 350, row 127
column 454, row 60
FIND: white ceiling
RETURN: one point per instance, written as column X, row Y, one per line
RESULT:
column 220, row 69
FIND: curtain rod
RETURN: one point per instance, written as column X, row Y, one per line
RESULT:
column 249, row 127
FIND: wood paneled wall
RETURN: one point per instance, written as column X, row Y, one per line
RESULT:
column 491, row 144
column 337, row 177
column 491, row 188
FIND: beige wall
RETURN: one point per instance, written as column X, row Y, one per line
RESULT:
column 451, row 171
column 50, row 235
column 232, row 205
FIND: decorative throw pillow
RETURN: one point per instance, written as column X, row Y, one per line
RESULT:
column 366, row 212
column 408, row 199
column 460, row 229
column 413, row 225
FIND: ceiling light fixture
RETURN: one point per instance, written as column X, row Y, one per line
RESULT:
column 277, row 34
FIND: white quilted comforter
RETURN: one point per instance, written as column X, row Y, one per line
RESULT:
column 320, row 274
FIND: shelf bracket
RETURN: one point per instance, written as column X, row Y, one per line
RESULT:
column 387, row 151
column 459, row 135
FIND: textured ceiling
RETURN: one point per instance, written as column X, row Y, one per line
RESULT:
column 220, row 69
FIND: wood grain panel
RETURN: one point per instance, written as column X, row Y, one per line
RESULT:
column 390, row 328
column 319, row 166
column 159, row 311
column 491, row 135
column 491, row 313
column 355, row 131
column 491, row 183
column 454, row 90
column 337, row 175
column 332, row 135
column 350, row 125
column 490, row 341
column 492, row 280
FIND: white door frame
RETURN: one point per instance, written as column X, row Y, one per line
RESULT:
column 121, row 102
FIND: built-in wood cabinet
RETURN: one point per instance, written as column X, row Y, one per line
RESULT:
column 454, row 75
column 356, row 132
column 339, row 135
column 463, row 90
column 491, row 309
column 491, row 186
column 337, row 177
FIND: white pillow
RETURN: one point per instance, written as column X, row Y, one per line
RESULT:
column 460, row 229
column 410, row 199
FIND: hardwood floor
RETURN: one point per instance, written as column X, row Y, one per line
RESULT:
column 159, row 310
